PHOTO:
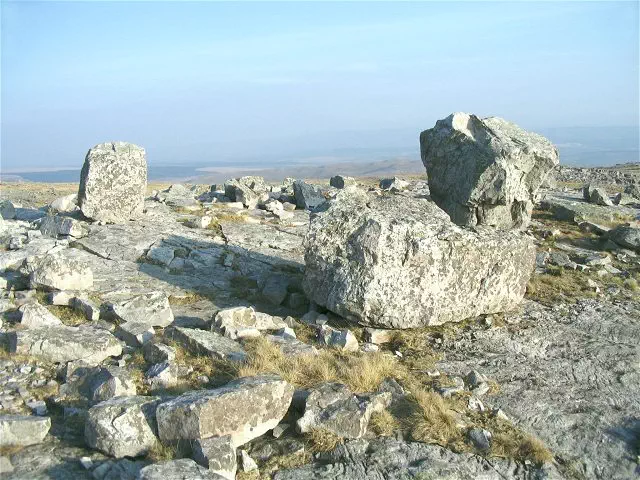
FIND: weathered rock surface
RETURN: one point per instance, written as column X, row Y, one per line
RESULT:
column 241, row 322
column 392, row 263
column 98, row 384
column 113, row 182
column 485, row 171
column 391, row 459
column 183, row 469
column 68, row 203
column 626, row 236
column 58, row 226
column 53, row 272
column 244, row 409
column 249, row 190
column 218, row 454
column 307, row 196
column 7, row 210
column 201, row 342
column 340, row 181
column 64, row 344
column 123, row 426
column 151, row 309
column 597, row 195
column 35, row 315
column 333, row 407
column 22, row 430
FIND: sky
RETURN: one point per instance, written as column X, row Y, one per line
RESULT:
column 213, row 81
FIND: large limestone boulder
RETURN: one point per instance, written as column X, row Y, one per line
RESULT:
column 485, row 171
column 122, row 426
column 398, row 263
column 60, row 344
column 244, row 409
column 113, row 182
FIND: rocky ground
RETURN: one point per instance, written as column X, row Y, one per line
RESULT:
column 122, row 341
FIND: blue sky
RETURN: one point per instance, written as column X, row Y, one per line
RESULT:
column 203, row 81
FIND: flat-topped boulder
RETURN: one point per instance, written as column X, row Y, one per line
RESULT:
column 243, row 409
column 54, row 272
column 202, row 342
column 23, row 430
column 113, row 182
column 395, row 263
column 60, row 344
column 485, row 171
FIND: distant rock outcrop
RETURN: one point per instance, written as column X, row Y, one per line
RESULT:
column 485, row 171
column 113, row 182
column 395, row 263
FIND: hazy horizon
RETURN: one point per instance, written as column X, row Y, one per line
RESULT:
column 211, row 83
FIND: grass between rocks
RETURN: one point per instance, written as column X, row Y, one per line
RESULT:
column 67, row 315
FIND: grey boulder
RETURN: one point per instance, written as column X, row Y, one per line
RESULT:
column 485, row 171
column 340, row 181
column 64, row 344
column 332, row 406
column 597, row 195
column 23, row 430
column 626, row 236
column 394, row 263
column 58, row 226
column 243, row 409
column 113, row 182
column 35, row 315
column 123, row 426
column 217, row 454
column 201, row 342
column 307, row 196
column 151, row 309
column 53, row 272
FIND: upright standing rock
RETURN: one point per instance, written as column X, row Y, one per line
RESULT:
column 485, row 171
column 113, row 182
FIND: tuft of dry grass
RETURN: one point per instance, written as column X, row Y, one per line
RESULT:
column 322, row 440
column 383, row 423
column 161, row 452
column 186, row 299
column 431, row 421
column 559, row 286
column 360, row 372
column 631, row 284
column 521, row 446
column 67, row 315
column 283, row 462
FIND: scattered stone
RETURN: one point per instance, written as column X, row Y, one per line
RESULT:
column 242, row 322
column 378, row 336
column 394, row 184
column 87, row 307
column 35, row 315
column 201, row 222
column 485, row 171
column 244, row 409
column 340, row 182
column 182, row 469
column 56, row 226
column 86, row 463
column 68, row 203
column 390, row 263
column 22, row 430
column 475, row 404
column 249, row 190
column 161, row 255
column 626, row 236
column 123, row 426
column 62, row 344
column 97, row 383
column 291, row 347
column 162, row 375
column 332, row 406
column 307, row 196
column 113, row 182
column 201, row 342
column 624, row 199
column 474, row 378
column 218, row 454
column 248, row 463
column 134, row 334
column 596, row 195
column 62, row 298
column 52, row 272
column 152, row 309
column 158, row 353
column 7, row 210
column 480, row 438
column 178, row 196
column 37, row 407
column 275, row 289
column 342, row 339
column 279, row 429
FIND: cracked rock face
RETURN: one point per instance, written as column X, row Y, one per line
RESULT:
column 393, row 263
column 122, row 426
column 485, row 171
column 113, row 182
column 244, row 409
column 21, row 430
column 177, row 469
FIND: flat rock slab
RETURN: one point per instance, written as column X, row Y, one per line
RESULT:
column 122, row 426
column 151, row 309
column 23, row 430
column 574, row 209
column 65, row 344
column 401, row 263
column 202, row 342
column 183, row 469
column 390, row 459
column 244, row 409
